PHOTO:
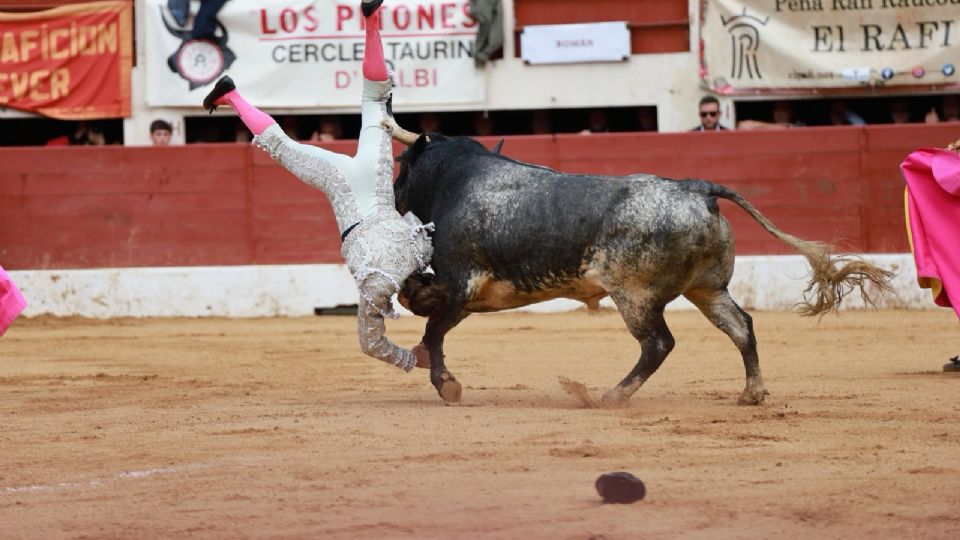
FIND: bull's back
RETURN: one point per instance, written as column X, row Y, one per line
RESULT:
column 540, row 230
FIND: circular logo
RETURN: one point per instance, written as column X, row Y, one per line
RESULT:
column 200, row 60
column 919, row 72
column 886, row 73
column 948, row 70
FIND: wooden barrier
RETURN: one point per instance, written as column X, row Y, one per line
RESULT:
column 228, row 204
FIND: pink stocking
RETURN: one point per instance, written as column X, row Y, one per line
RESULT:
column 374, row 66
column 252, row 117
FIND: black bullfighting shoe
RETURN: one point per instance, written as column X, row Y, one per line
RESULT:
column 369, row 6
column 223, row 86
column 953, row 365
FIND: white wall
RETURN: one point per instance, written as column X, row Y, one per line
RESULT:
column 759, row 282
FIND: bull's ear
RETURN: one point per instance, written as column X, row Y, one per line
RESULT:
column 498, row 147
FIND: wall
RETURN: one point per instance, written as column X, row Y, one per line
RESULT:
column 663, row 71
column 759, row 282
column 85, row 207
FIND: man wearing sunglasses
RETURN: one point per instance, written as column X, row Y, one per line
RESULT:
column 709, row 115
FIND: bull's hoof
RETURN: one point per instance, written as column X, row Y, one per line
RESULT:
column 614, row 396
column 752, row 396
column 449, row 389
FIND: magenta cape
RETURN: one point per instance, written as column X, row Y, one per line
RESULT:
column 933, row 214
column 11, row 301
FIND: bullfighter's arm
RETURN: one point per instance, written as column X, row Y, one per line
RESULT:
column 373, row 342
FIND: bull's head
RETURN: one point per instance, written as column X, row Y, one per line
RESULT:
column 418, row 145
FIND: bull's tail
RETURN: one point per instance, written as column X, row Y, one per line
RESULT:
column 833, row 277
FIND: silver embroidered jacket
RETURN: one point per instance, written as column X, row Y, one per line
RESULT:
column 383, row 248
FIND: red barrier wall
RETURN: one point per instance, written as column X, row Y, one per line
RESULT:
column 225, row 204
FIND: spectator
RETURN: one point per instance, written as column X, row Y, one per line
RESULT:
column 482, row 123
column 840, row 115
column 783, row 118
column 900, row 112
column 88, row 134
column 291, row 126
column 709, row 115
column 160, row 132
column 540, row 123
column 647, row 118
column 950, row 105
column 240, row 133
column 329, row 130
column 429, row 123
column 597, row 122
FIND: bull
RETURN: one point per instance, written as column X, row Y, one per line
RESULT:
column 509, row 234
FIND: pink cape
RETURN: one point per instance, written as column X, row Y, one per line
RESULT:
column 11, row 301
column 932, row 203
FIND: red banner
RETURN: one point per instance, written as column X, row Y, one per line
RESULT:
column 71, row 62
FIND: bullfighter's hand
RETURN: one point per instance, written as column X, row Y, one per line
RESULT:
column 422, row 355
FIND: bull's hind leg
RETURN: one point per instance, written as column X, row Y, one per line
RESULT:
column 646, row 323
column 726, row 315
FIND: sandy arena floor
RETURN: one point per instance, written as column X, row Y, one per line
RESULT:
column 281, row 428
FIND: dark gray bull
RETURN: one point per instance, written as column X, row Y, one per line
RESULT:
column 509, row 234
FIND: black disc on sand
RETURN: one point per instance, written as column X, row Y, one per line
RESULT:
column 620, row 488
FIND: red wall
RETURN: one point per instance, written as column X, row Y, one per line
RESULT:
column 222, row 204
column 656, row 26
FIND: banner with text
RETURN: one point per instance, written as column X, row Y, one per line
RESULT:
column 571, row 43
column 751, row 45
column 71, row 62
column 308, row 53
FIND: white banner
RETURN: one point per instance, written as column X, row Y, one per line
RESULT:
column 308, row 53
column 569, row 43
column 751, row 45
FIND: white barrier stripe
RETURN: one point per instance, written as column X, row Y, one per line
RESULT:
column 759, row 282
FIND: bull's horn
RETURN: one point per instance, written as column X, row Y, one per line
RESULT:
column 398, row 133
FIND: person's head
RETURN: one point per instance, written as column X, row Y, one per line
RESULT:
column 782, row 112
column 900, row 112
column 429, row 123
column 240, row 133
column 88, row 134
column 647, row 118
column 709, row 112
column 838, row 113
column 96, row 136
column 160, row 132
column 291, row 126
column 597, row 121
column 328, row 130
column 540, row 123
column 482, row 123
column 951, row 107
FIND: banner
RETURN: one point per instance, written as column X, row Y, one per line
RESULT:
column 308, row 53
column 569, row 43
column 71, row 62
column 755, row 45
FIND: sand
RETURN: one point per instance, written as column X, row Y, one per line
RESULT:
column 281, row 428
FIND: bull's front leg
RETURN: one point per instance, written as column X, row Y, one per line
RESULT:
column 437, row 327
column 427, row 296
